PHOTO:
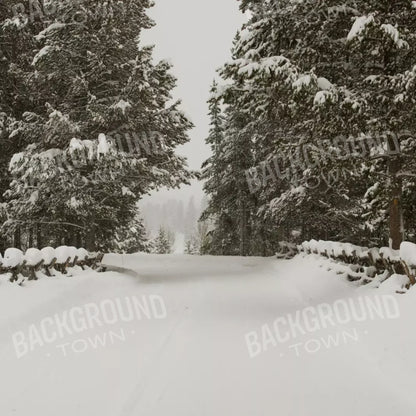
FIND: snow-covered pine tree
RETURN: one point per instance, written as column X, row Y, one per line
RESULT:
column 16, row 53
column 132, row 238
column 101, row 101
column 223, row 236
column 199, row 242
column 230, row 203
column 319, row 82
column 163, row 243
column 382, row 45
column 279, row 56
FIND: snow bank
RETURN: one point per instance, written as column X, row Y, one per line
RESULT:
column 397, row 282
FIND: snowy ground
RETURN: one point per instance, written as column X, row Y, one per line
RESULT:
column 196, row 361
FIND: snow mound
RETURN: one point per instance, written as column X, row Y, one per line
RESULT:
column 13, row 257
column 408, row 253
column 33, row 256
column 397, row 282
column 390, row 254
column 62, row 254
column 82, row 254
column 73, row 252
column 48, row 254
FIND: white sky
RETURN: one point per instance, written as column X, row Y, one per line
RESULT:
column 196, row 37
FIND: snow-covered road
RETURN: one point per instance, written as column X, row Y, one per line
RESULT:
column 196, row 361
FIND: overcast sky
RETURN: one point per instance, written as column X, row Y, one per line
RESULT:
column 196, row 37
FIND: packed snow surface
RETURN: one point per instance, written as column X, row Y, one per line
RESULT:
column 196, row 360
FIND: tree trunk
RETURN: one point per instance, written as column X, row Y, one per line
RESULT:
column 90, row 240
column 17, row 243
column 396, row 219
column 39, row 236
column 244, row 234
column 30, row 242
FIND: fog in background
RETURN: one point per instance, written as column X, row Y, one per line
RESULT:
column 196, row 37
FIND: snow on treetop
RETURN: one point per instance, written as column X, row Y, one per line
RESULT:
column 34, row 197
column 75, row 144
column 80, row 145
column 126, row 191
column 394, row 34
column 15, row 21
column 324, row 84
column 16, row 159
column 122, row 105
column 322, row 97
column 43, row 52
column 303, row 81
column 275, row 64
column 359, row 26
column 50, row 154
column 50, row 28
column 103, row 145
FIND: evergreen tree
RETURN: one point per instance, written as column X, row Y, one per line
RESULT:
column 100, row 102
column 16, row 53
column 132, row 238
column 325, row 92
column 229, row 205
column 163, row 242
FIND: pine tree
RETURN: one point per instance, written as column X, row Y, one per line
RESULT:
column 104, row 130
column 132, row 238
column 163, row 242
column 324, row 91
column 230, row 201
